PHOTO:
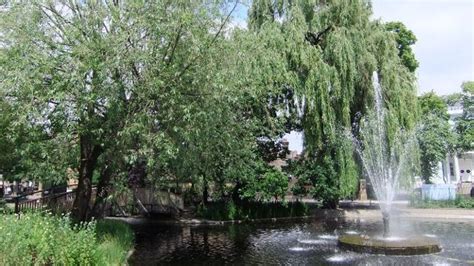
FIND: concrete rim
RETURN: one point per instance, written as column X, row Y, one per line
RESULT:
column 416, row 245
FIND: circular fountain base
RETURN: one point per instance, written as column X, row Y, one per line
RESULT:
column 416, row 245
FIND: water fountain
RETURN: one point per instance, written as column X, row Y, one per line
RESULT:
column 383, row 163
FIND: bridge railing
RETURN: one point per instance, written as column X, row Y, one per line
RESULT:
column 55, row 202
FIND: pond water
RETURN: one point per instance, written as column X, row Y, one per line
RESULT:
column 311, row 242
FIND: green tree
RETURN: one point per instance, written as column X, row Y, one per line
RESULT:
column 107, row 88
column 465, row 125
column 269, row 183
column 453, row 99
column 274, row 184
column 8, row 156
column 106, row 81
column 326, row 53
column 434, row 104
column 405, row 38
column 435, row 136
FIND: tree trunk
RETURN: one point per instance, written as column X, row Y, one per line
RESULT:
column 102, row 192
column 235, row 192
column 89, row 155
column 205, row 193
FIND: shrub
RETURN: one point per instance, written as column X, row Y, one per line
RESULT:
column 3, row 205
column 251, row 210
column 231, row 210
column 43, row 239
column 40, row 239
column 460, row 202
column 467, row 203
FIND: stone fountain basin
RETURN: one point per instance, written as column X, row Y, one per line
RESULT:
column 416, row 245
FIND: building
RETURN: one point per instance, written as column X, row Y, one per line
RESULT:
column 457, row 167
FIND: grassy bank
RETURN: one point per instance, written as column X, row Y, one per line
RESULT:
column 459, row 202
column 222, row 211
column 43, row 239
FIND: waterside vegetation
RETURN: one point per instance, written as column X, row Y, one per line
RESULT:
column 43, row 239
column 132, row 93
column 250, row 210
column 459, row 202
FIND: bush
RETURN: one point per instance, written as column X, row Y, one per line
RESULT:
column 221, row 211
column 269, row 184
column 43, row 239
column 460, row 202
column 3, row 205
column 467, row 203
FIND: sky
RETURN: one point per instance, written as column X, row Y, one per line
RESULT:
column 445, row 46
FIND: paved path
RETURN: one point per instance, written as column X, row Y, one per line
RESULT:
column 405, row 211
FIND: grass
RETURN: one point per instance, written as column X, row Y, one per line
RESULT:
column 43, row 239
column 459, row 202
column 116, row 239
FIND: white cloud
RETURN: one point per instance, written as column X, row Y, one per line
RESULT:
column 445, row 47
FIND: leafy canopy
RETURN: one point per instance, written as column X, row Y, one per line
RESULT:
column 435, row 135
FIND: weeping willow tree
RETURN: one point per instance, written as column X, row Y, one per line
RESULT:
column 330, row 51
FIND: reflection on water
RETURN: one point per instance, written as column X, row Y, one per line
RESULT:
column 292, row 243
column 313, row 241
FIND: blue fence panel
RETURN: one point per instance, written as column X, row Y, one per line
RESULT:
column 438, row 191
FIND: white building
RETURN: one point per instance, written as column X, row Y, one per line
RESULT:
column 456, row 168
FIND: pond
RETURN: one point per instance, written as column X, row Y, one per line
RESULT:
column 310, row 242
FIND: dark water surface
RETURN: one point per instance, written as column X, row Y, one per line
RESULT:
column 312, row 242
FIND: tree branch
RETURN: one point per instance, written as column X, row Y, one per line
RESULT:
column 175, row 44
column 315, row 38
column 210, row 44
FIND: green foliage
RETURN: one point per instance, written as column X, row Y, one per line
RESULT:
column 3, row 206
column 430, row 103
column 329, row 61
column 320, row 174
column 468, row 87
column 232, row 210
column 465, row 125
column 459, row 202
column 435, row 136
column 325, row 186
column 221, row 211
column 435, row 139
column 43, row 239
column 274, row 184
column 405, row 38
column 169, row 86
column 266, row 184
column 453, row 99
column 115, row 239
column 107, row 85
column 8, row 157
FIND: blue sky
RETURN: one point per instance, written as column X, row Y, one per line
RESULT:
column 444, row 28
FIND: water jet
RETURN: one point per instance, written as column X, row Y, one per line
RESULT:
column 383, row 162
